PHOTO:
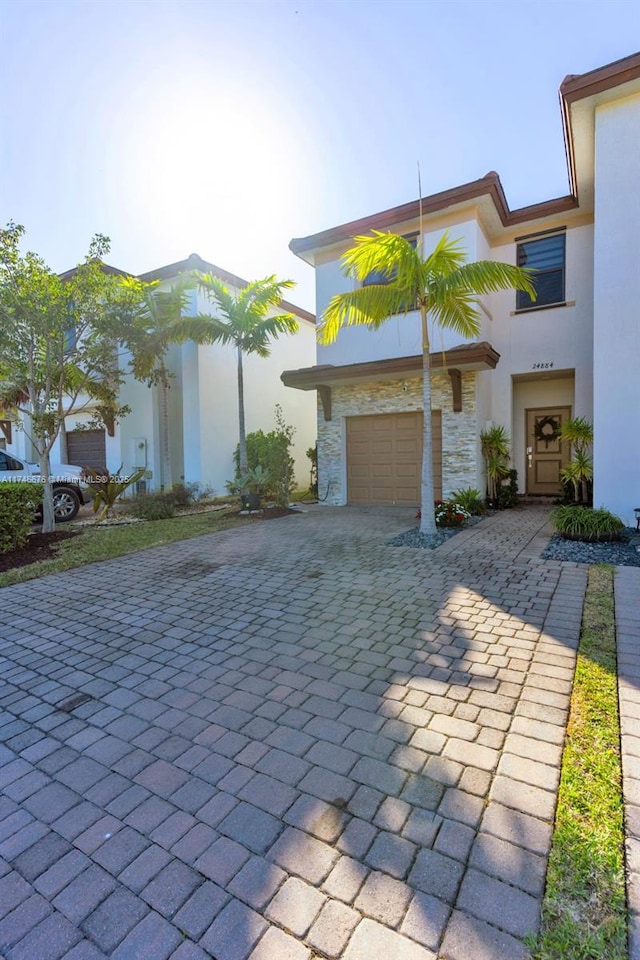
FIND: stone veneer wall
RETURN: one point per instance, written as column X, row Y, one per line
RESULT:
column 459, row 430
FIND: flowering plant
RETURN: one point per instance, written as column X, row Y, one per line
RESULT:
column 450, row 514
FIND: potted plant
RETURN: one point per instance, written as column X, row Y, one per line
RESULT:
column 251, row 485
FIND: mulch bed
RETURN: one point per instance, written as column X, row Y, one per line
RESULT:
column 39, row 546
column 273, row 513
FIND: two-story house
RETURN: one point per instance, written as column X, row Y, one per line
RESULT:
column 574, row 352
column 202, row 401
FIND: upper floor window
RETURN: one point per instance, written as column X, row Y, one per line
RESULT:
column 546, row 255
column 377, row 276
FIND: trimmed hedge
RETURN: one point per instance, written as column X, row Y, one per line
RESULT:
column 18, row 505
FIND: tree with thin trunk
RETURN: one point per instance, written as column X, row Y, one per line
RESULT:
column 442, row 286
column 58, row 346
column 245, row 320
column 158, row 322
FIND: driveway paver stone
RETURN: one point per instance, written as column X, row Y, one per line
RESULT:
column 300, row 742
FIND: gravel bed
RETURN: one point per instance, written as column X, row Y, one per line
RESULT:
column 424, row 541
column 623, row 553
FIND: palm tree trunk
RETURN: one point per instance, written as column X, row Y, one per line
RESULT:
column 62, row 441
column 427, row 494
column 165, row 456
column 48, row 516
column 242, row 438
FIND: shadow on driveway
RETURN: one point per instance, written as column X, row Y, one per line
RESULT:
column 300, row 742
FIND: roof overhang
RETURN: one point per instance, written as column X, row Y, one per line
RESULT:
column 194, row 262
column 462, row 359
column 466, row 357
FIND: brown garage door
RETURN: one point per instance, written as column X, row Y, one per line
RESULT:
column 87, row 448
column 384, row 457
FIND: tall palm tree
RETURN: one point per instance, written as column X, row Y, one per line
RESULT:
column 242, row 320
column 157, row 323
column 442, row 286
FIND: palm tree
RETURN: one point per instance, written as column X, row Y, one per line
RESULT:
column 494, row 444
column 242, row 319
column 442, row 285
column 579, row 433
column 157, row 323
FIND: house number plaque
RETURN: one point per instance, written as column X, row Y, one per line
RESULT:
column 543, row 365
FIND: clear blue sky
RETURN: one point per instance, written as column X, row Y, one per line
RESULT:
column 227, row 128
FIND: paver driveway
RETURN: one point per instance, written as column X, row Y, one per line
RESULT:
column 299, row 742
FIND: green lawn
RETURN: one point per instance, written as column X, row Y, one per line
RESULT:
column 584, row 912
column 104, row 543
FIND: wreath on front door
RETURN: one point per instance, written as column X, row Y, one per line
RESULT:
column 547, row 429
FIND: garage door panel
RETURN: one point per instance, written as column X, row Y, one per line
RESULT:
column 359, row 471
column 382, row 448
column 409, row 447
column 87, row 448
column 407, row 471
column 381, row 470
column 384, row 458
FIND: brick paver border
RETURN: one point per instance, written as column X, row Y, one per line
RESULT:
column 627, row 600
column 298, row 740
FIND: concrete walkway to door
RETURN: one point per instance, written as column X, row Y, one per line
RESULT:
column 300, row 742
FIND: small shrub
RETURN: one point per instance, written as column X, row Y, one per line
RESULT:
column 271, row 451
column 18, row 505
column 108, row 488
column 584, row 523
column 508, row 490
column 153, row 506
column 471, row 500
column 450, row 514
column 183, row 495
column 312, row 454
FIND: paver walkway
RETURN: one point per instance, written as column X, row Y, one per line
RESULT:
column 300, row 742
column 627, row 594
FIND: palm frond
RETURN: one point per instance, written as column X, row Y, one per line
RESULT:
column 488, row 276
column 388, row 254
column 261, row 295
column 370, row 305
column 217, row 291
column 447, row 257
column 203, row 328
column 457, row 312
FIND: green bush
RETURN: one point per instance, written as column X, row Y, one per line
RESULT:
column 508, row 490
column 584, row 523
column 312, row 453
column 153, row 506
column 471, row 500
column 272, row 452
column 18, row 505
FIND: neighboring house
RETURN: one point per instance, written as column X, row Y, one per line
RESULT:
column 575, row 352
column 203, row 404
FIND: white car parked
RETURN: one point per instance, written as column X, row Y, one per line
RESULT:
column 68, row 486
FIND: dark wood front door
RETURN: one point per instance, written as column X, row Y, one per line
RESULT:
column 546, row 456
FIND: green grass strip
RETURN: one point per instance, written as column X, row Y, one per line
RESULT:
column 105, row 543
column 584, row 913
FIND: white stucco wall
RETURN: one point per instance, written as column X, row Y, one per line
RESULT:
column 210, row 387
column 616, row 370
column 561, row 336
column 400, row 336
